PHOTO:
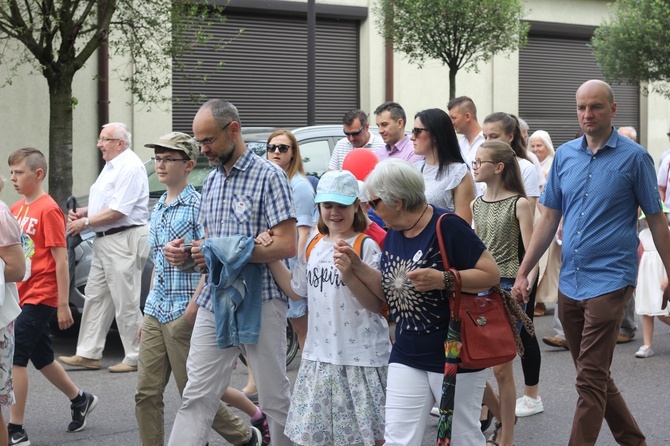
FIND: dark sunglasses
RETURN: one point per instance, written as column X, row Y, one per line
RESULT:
column 354, row 134
column 416, row 131
column 375, row 202
column 283, row 148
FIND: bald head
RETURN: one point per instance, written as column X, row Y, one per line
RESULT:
column 596, row 85
column 595, row 109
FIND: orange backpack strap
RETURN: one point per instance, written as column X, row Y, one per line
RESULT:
column 358, row 244
column 312, row 243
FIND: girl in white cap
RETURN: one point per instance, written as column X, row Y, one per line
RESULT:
column 339, row 394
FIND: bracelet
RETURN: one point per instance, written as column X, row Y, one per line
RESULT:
column 448, row 280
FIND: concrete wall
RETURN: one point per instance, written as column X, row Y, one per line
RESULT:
column 25, row 117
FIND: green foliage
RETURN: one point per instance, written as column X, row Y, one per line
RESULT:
column 633, row 44
column 459, row 33
column 58, row 37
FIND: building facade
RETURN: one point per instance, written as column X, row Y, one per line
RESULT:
column 265, row 72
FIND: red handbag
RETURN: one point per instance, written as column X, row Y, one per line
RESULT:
column 487, row 335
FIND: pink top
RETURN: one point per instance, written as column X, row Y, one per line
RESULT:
column 10, row 234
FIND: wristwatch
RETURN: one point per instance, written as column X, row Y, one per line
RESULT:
column 87, row 223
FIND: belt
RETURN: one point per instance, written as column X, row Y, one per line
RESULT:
column 115, row 230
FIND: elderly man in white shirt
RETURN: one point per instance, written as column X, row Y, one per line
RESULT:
column 118, row 214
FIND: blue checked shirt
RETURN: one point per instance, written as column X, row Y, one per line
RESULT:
column 598, row 195
column 172, row 289
column 255, row 197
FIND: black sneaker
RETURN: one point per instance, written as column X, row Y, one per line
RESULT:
column 255, row 439
column 262, row 426
column 19, row 438
column 81, row 411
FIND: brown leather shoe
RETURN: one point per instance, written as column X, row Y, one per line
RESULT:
column 80, row 361
column 624, row 338
column 556, row 342
column 122, row 368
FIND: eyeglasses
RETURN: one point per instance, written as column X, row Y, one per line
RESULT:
column 104, row 140
column 476, row 164
column 356, row 133
column 416, row 131
column 283, row 148
column 209, row 141
column 168, row 161
column 374, row 202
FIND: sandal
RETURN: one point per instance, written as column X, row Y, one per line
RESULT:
column 494, row 436
column 486, row 422
column 540, row 309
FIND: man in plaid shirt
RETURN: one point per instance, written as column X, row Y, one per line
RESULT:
column 244, row 195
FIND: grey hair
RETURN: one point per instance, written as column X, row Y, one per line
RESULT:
column 523, row 124
column 2, row 183
column 224, row 112
column 631, row 130
column 121, row 131
column 546, row 139
column 394, row 180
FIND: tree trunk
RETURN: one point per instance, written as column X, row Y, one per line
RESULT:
column 452, row 83
column 60, row 137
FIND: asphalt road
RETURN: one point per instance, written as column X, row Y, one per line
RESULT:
column 113, row 422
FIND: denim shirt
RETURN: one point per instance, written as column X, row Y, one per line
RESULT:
column 236, row 286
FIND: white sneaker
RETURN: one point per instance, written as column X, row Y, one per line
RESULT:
column 527, row 406
column 435, row 411
column 644, row 352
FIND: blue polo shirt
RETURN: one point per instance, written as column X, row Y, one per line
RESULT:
column 598, row 195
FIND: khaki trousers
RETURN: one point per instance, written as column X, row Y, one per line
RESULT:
column 113, row 291
column 164, row 349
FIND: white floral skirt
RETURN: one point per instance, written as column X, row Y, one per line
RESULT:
column 6, row 362
column 337, row 405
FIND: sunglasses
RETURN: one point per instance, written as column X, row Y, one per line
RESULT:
column 416, row 131
column 375, row 202
column 354, row 134
column 283, row 148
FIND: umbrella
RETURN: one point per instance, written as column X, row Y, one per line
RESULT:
column 72, row 242
column 452, row 353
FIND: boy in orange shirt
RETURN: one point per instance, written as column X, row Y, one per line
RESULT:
column 43, row 294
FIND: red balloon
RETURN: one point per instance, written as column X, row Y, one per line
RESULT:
column 360, row 162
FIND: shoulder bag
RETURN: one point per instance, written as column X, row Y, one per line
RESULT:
column 487, row 334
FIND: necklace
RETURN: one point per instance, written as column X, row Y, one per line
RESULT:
column 417, row 221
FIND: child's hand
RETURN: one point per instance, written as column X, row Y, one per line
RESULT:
column 65, row 319
column 664, row 283
column 173, row 252
column 342, row 260
column 344, row 249
column 264, row 238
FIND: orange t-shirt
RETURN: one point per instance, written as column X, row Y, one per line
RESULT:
column 43, row 226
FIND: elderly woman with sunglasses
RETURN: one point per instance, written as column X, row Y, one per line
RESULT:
column 413, row 282
column 449, row 184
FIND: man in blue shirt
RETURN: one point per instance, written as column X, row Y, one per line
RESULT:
column 596, row 184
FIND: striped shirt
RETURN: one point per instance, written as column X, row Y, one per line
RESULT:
column 344, row 146
column 172, row 289
column 253, row 198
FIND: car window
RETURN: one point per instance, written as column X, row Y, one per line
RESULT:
column 315, row 156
